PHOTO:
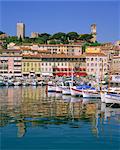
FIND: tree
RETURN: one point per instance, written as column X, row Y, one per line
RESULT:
column 86, row 37
column 1, row 32
column 10, row 39
column 59, row 36
column 20, row 39
column 73, row 35
column 45, row 37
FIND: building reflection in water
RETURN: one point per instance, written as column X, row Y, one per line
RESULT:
column 30, row 106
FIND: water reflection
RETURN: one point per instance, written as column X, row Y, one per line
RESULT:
column 27, row 107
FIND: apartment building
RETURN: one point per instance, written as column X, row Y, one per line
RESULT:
column 68, row 49
column 115, row 66
column 52, row 65
column 62, row 65
column 96, row 64
column 10, row 63
column 31, row 65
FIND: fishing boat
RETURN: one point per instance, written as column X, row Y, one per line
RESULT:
column 91, row 93
column 77, row 90
column 66, row 87
column 2, row 83
column 51, row 87
column 111, row 98
column 58, row 87
column 17, row 83
column 10, row 82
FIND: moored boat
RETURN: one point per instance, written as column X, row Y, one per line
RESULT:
column 111, row 98
column 91, row 94
column 66, row 88
column 51, row 86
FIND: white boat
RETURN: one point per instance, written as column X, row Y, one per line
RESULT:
column 59, row 87
column 66, row 88
column 91, row 94
column 51, row 86
column 75, row 91
column 2, row 83
column 17, row 83
column 111, row 98
column 33, row 82
column 25, row 83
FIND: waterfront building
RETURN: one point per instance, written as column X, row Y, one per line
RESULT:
column 20, row 30
column 31, row 65
column 10, row 63
column 53, row 65
column 115, row 67
column 63, row 65
column 96, row 64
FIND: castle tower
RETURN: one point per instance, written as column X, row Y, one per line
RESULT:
column 93, row 32
column 21, row 30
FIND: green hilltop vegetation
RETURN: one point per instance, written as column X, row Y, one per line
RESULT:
column 57, row 38
column 45, row 38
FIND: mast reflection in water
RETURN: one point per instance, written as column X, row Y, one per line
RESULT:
column 33, row 119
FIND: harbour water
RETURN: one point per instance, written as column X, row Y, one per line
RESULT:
column 32, row 119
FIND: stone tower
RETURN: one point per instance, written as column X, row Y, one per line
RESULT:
column 93, row 32
column 21, row 30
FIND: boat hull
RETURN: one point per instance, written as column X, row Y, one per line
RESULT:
column 112, row 99
column 75, row 92
column 51, row 88
column 66, row 91
column 90, row 94
column 58, row 89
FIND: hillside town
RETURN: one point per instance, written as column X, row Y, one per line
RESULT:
column 48, row 59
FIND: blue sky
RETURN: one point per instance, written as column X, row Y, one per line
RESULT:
column 62, row 16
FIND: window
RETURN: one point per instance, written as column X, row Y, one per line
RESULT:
column 92, row 69
column 87, row 59
column 92, row 64
column 46, row 64
column 95, row 59
column 92, row 59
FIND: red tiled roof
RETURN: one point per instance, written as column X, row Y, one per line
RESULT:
column 96, row 54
